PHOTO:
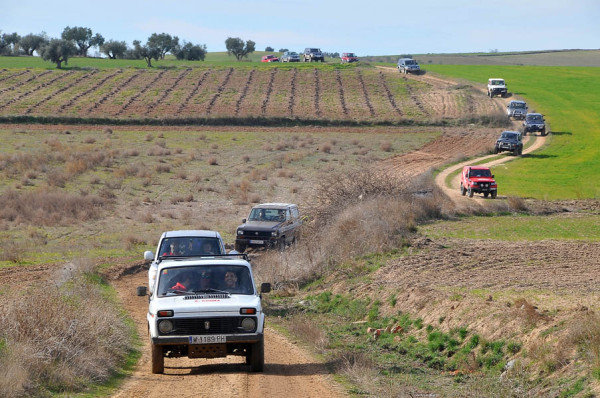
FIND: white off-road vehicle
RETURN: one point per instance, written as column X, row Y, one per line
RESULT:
column 496, row 86
column 206, row 307
column 182, row 244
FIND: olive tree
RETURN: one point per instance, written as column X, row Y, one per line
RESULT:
column 58, row 51
column 163, row 43
column 114, row 49
column 236, row 47
column 9, row 43
column 83, row 38
column 191, row 52
column 31, row 43
column 146, row 52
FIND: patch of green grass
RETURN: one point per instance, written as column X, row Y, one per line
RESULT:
column 568, row 97
column 531, row 228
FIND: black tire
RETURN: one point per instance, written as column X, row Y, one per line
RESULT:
column 516, row 152
column 470, row 192
column 496, row 149
column 524, row 132
column 281, row 244
column 544, row 131
column 494, row 194
column 239, row 247
column 463, row 191
column 257, row 356
column 158, row 359
column 486, row 194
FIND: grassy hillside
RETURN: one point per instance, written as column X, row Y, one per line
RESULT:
column 569, row 98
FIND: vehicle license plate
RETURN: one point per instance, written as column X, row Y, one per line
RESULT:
column 257, row 242
column 208, row 339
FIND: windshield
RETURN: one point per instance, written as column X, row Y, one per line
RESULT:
column 518, row 105
column 189, row 246
column 509, row 136
column 480, row 173
column 497, row 82
column 217, row 278
column 410, row 62
column 293, row 54
column 261, row 214
column 534, row 118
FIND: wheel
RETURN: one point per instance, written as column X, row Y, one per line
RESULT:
column 516, row 152
column 239, row 247
column 495, row 149
column 463, row 191
column 257, row 357
column 520, row 151
column 486, row 194
column 470, row 192
column 524, row 132
column 544, row 131
column 281, row 244
column 494, row 194
column 158, row 360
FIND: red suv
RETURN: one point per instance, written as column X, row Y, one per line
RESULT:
column 269, row 58
column 478, row 179
column 348, row 57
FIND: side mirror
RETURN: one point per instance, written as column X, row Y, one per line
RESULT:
column 265, row 287
column 141, row 290
column 148, row 255
column 492, row 176
column 243, row 221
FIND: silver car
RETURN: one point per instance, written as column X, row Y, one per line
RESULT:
column 290, row 56
column 516, row 110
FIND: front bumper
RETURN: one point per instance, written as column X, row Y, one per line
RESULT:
column 535, row 127
column 185, row 340
column 258, row 241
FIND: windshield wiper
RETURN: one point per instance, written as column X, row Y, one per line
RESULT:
column 211, row 290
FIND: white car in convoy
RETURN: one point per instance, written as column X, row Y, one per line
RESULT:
column 205, row 307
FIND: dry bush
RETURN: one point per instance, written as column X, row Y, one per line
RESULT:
column 267, row 148
column 517, row 204
column 386, row 146
column 212, row 161
column 147, row 218
column 309, row 331
column 254, row 198
column 280, row 146
column 108, row 131
column 11, row 251
column 528, row 312
column 149, row 137
column 157, row 150
column 182, row 175
column 360, row 369
column 585, row 335
column 57, row 178
column 89, row 140
column 214, row 146
column 182, row 198
column 325, row 148
column 131, row 153
column 132, row 241
column 162, row 168
column 179, row 151
column 53, row 341
column 95, row 180
column 40, row 207
column 246, row 158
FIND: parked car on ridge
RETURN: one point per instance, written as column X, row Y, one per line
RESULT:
column 290, row 56
column 269, row 58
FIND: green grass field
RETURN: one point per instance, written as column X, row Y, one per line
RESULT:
column 569, row 97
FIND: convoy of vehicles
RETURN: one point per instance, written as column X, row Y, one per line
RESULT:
column 478, row 179
column 269, row 225
column 408, row 65
column 516, row 110
column 534, row 122
column 509, row 141
column 496, row 86
column 347, row 58
column 205, row 307
column 269, row 58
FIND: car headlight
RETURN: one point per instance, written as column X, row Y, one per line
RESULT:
column 248, row 324
column 165, row 326
column 240, row 232
column 274, row 233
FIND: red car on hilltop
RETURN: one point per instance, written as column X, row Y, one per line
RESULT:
column 269, row 58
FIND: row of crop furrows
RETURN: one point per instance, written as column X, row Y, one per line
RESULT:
column 292, row 97
column 12, row 76
column 89, row 91
column 220, row 89
column 415, row 98
column 37, row 88
column 244, row 93
column 317, row 93
column 193, row 92
column 265, row 102
column 389, row 94
column 338, row 78
column 60, row 90
column 119, row 87
column 162, row 99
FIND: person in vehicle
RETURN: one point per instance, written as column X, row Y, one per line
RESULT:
column 231, row 280
column 171, row 250
column 185, row 282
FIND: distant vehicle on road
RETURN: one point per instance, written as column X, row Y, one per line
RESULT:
column 348, row 58
column 496, row 86
column 478, row 179
column 509, row 141
column 269, row 225
column 516, row 110
column 290, row 56
column 408, row 65
column 534, row 122
column 269, row 58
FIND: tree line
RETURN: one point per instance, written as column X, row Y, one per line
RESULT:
column 76, row 41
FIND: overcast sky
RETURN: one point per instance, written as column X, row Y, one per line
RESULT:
column 380, row 27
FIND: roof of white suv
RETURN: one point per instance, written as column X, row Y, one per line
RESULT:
column 201, row 233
